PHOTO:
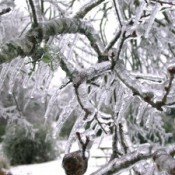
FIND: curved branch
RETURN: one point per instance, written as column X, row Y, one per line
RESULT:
column 24, row 46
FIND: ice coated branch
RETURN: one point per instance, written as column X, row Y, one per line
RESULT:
column 32, row 6
column 137, row 88
column 84, row 145
column 162, row 159
column 25, row 45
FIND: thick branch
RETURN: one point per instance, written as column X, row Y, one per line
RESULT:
column 25, row 45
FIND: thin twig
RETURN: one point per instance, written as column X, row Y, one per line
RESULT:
column 116, row 10
column 167, row 88
column 83, row 144
column 88, row 7
column 99, row 123
column 113, row 41
column 35, row 21
column 87, row 112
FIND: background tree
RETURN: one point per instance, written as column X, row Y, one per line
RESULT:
column 118, row 61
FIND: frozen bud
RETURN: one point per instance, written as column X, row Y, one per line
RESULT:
column 112, row 53
column 171, row 68
column 148, row 96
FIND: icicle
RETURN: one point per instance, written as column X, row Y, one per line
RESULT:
column 38, row 75
column 124, row 108
column 4, row 71
column 65, row 114
column 102, row 99
column 126, row 135
column 14, row 74
column 26, row 104
column 78, row 124
column 26, row 80
column 51, row 103
column 120, row 12
column 46, row 86
column 139, row 13
column 141, row 111
column 152, row 18
column 84, row 99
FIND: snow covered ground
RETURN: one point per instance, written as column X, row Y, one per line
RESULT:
column 55, row 167
column 50, row 168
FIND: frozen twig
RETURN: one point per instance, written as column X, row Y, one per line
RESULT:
column 117, row 12
column 83, row 100
column 113, row 41
column 83, row 144
column 32, row 6
column 163, row 2
column 100, row 123
column 152, row 18
column 88, row 7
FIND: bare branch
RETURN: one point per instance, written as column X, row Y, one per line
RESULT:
column 116, row 10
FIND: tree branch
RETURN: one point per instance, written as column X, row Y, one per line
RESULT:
column 118, row 164
column 32, row 6
column 88, row 7
column 142, row 152
column 25, row 45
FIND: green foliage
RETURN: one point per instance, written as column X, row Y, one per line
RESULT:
column 23, row 144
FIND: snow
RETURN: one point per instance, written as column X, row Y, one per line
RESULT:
column 55, row 167
column 51, row 168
